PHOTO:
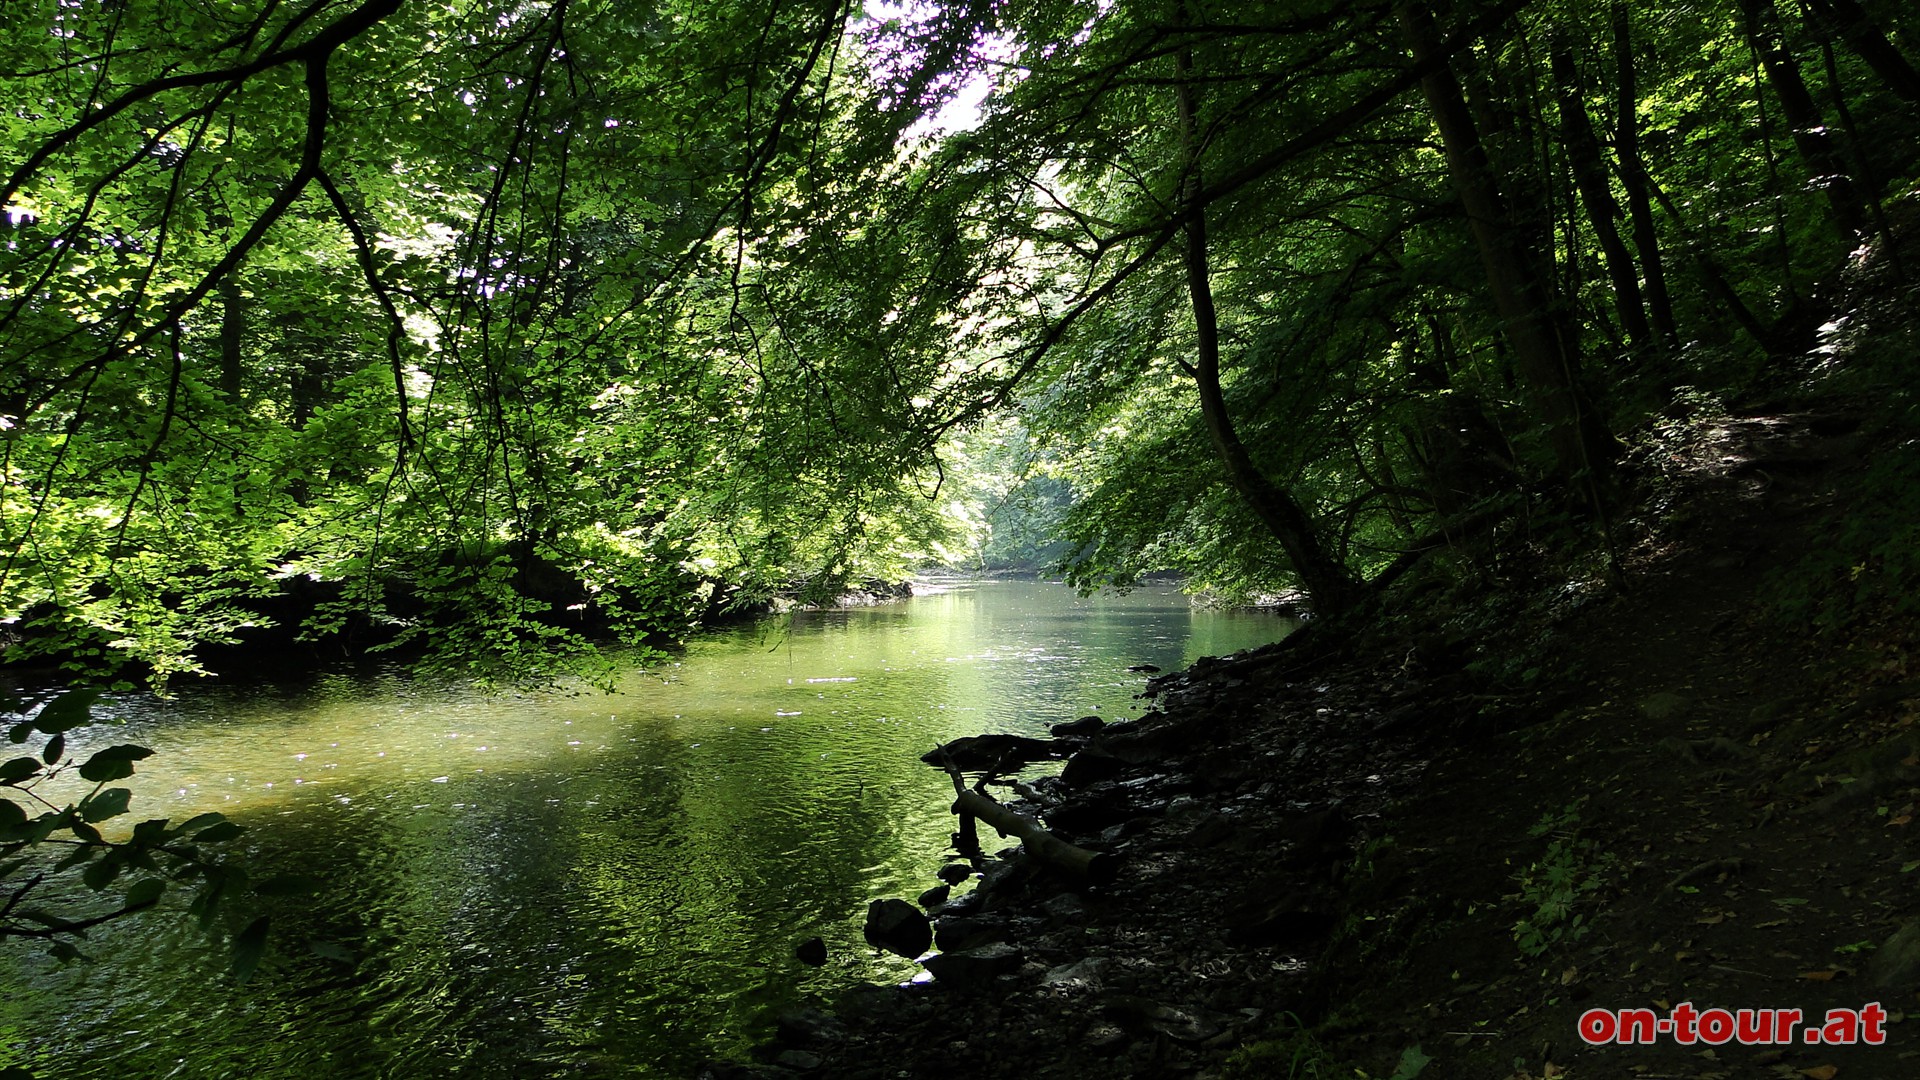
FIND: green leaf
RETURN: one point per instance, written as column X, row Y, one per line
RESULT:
column 198, row 822
column 64, row 952
column 11, row 814
column 87, row 832
column 226, row 830
column 55, row 747
column 109, row 803
column 114, row 763
column 101, row 874
column 145, row 891
column 248, row 947
column 17, row 770
column 1412, row 1061
column 20, row 732
column 206, row 904
column 66, row 712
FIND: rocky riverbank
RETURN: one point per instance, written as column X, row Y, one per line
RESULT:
column 1427, row 852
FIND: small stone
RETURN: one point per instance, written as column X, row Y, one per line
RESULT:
column 1087, row 972
column 935, row 896
column 1065, row 907
column 954, row 873
column 1662, row 706
column 798, row 1060
column 812, row 952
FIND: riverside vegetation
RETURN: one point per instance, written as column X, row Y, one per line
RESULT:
column 1556, row 357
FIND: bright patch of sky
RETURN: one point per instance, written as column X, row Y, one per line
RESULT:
column 894, row 55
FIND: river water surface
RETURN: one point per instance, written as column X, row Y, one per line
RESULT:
column 586, row 884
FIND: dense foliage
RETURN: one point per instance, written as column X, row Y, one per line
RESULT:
column 473, row 326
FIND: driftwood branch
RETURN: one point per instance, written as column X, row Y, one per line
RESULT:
column 1095, row 867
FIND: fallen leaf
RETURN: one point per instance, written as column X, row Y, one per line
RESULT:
column 1770, row 924
column 1819, row 976
column 1901, row 820
column 1821, row 1072
column 1714, row 919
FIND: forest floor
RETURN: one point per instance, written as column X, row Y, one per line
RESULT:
column 1429, row 852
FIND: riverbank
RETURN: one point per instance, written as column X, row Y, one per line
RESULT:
column 1428, row 848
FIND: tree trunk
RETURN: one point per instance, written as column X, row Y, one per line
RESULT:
column 1544, row 355
column 1633, row 178
column 1330, row 587
column 1590, row 175
column 1848, row 19
column 1804, row 122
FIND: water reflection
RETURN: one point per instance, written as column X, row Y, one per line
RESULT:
column 526, row 885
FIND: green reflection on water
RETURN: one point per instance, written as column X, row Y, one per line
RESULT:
column 525, row 885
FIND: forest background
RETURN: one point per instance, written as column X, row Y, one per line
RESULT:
column 494, row 331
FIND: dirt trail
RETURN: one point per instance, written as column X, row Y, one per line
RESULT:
column 1726, row 811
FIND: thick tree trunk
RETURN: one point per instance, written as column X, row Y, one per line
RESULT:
column 1851, row 21
column 1331, row 588
column 1633, row 179
column 1590, row 176
column 1809, row 130
column 1545, row 356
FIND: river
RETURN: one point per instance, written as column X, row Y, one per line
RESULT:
column 537, row 884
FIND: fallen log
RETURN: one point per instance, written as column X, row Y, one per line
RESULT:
column 1096, row 867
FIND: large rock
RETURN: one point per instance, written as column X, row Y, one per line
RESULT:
column 992, row 753
column 1896, row 965
column 960, row 934
column 1085, row 726
column 898, row 927
column 971, row 968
